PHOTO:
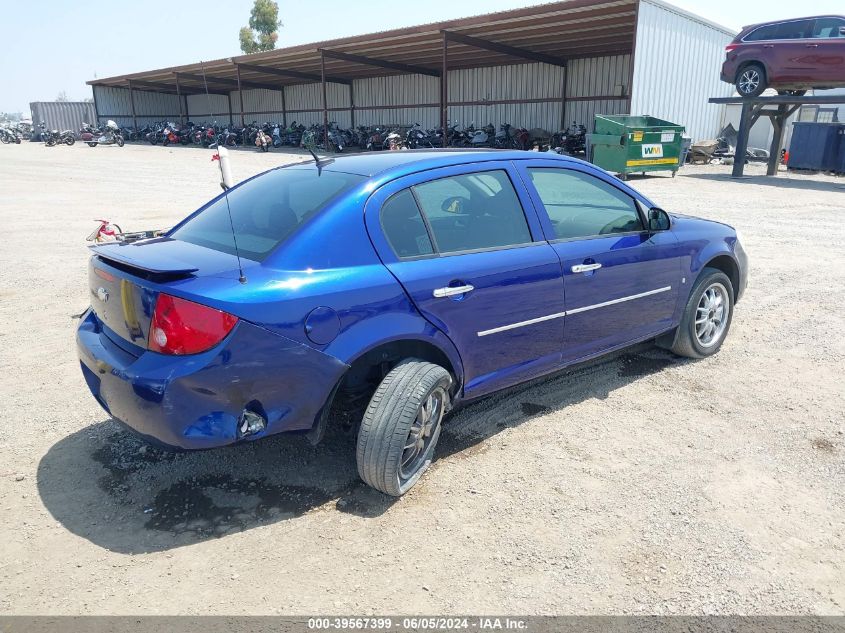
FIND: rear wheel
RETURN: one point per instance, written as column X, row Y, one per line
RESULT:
column 751, row 80
column 69, row 140
column 401, row 426
column 707, row 316
column 92, row 145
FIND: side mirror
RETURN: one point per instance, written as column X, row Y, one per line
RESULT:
column 658, row 220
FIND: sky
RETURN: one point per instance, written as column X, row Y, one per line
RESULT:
column 69, row 43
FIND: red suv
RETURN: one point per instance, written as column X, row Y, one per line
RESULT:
column 791, row 56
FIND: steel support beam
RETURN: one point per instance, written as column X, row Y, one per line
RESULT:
column 179, row 99
column 325, row 102
column 351, row 106
column 294, row 74
column 240, row 93
column 505, row 49
column 284, row 108
column 380, row 63
column 132, row 103
column 222, row 81
column 444, row 89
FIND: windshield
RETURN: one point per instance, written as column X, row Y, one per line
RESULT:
column 265, row 211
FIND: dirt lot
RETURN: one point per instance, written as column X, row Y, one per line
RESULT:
column 644, row 484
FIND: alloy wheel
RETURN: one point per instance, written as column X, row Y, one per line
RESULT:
column 749, row 81
column 423, row 434
column 711, row 315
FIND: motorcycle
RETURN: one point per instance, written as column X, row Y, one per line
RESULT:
column 173, row 135
column 8, row 136
column 52, row 138
column 262, row 140
column 571, row 141
column 109, row 136
column 483, row 137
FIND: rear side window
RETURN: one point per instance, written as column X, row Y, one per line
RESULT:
column 403, row 226
column 473, row 211
column 793, row 30
column 828, row 27
column 265, row 211
column 580, row 205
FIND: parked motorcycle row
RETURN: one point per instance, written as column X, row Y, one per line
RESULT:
column 374, row 138
column 316, row 137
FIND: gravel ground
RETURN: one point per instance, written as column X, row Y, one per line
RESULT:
column 642, row 484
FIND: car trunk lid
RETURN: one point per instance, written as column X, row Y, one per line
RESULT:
column 125, row 279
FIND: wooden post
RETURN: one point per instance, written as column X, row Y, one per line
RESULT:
column 444, row 89
column 745, row 123
column 325, row 102
column 179, row 99
column 132, row 104
column 240, row 92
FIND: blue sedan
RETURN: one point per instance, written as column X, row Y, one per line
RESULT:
column 405, row 281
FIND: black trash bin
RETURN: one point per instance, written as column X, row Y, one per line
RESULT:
column 815, row 146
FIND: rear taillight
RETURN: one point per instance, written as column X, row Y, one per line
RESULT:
column 185, row 327
column 731, row 47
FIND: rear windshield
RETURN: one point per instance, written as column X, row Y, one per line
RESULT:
column 265, row 211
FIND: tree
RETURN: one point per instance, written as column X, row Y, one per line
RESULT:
column 261, row 34
column 62, row 96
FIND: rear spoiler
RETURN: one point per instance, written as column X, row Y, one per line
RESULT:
column 126, row 254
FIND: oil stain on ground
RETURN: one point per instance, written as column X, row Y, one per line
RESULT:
column 214, row 505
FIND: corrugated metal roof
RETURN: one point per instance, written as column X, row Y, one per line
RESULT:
column 560, row 31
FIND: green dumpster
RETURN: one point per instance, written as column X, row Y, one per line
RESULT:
column 627, row 144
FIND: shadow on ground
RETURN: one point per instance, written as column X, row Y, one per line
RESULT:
column 782, row 180
column 106, row 485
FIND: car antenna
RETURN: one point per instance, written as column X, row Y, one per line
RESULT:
column 224, row 184
column 319, row 160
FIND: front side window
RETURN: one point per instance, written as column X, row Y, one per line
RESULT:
column 473, row 211
column 829, row 28
column 581, row 205
column 265, row 211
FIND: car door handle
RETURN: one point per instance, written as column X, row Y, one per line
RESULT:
column 812, row 45
column 452, row 291
column 583, row 268
column 768, row 45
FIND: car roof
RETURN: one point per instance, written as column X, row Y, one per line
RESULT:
column 809, row 17
column 400, row 163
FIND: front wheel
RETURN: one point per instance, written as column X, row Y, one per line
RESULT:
column 92, row 145
column 707, row 316
column 402, row 425
column 751, row 81
column 69, row 140
column 119, row 140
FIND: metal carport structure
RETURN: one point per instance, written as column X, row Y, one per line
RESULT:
column 546, row 59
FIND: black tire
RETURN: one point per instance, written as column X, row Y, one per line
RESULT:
column 119, row 140
column 688, row 341
column 92, row 144
column 385, row 461
column 751, row 80
column 50, row 142
column 69, row 140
